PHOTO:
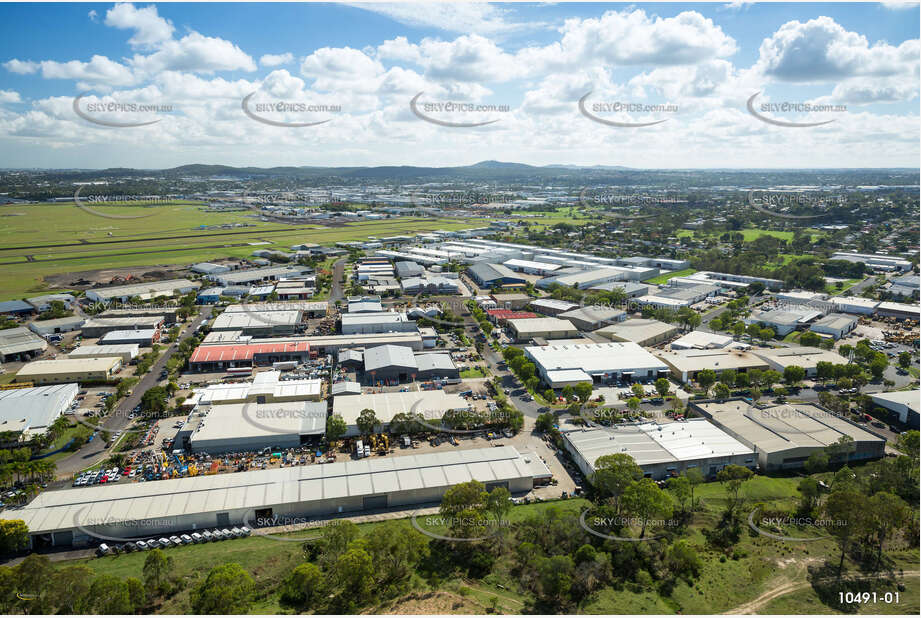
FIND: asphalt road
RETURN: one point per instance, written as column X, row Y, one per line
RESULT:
column 335, row 288
column 95, row 451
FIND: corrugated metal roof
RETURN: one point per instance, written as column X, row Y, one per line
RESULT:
column 69, row 508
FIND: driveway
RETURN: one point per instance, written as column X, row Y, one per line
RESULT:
column 93, row 452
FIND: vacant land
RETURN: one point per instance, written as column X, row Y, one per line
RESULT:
column 663, row 278
column 37, row 240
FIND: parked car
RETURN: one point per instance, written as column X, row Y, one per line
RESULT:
column 142, row 546
column 103, row 549
column 185, row 538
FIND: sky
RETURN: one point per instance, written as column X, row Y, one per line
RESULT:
column 657, row 85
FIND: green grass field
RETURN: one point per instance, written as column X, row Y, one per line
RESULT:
column 663, row 279
column 27, row 225
column 749, row 234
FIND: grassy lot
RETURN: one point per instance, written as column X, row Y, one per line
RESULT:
column 48, row 224
column 834, row 290
column 473, row 372
column 663, row 279
column 749, row 234
column 76, row 429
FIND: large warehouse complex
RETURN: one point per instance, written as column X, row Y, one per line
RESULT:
column 71, row 516
column 785, row 436
column 248, row 386
column 567, row 365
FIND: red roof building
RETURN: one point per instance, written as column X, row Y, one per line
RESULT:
column 500, row 315
column 224, row 356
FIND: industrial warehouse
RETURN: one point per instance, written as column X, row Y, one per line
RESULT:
column 660, row 450
column 785, row 436
column 567, row 365
column 76, row 516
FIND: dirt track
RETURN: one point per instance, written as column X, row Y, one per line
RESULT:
column 754, row 605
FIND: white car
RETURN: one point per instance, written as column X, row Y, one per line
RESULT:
column 142, row 545
column 185, row 538
column 207, row 536
column 197, row 538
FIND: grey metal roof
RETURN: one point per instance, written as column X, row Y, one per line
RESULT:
column 34, row 408
column 435, row 362
column 10, row 306
column 72, row 508
column 389, row 356
column 20, row 339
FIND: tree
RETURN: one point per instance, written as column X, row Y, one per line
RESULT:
column 463, row 507
column 681, row 488
column 633, row 403
column 753, row 331
column 721, row 391
column 568, row 392
column 154, row 400
column 613, row 474
column 228, row 589
column 706, row 378
column 367, row 421
column 583, row 391
column 908, row 444
column 845, row 508
column 137, row 595
column 792, row 374
column 545, row 422
column 878, row 365
column 728, row 377
column 695, row 477
column 810, row 492
column 682, row 559
column 638, row 391
column 157, row 568
column 824, row 371
column 69, row 588
column 904, row 360
column 817, row 462
column 645, row 500
column 336, row 539
column 555, row 576
column 110, row 595
column 769, row 378
column 499, row 503
column 732, row 477
column 755, row 393
column 335, row 427
column 741, row 380
column 396, row 549
column 885, row 513
column 304, row 587
column 766, row 334
column 809, row 338
column 663, row 386
column 353, row 576
column 14, row 535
